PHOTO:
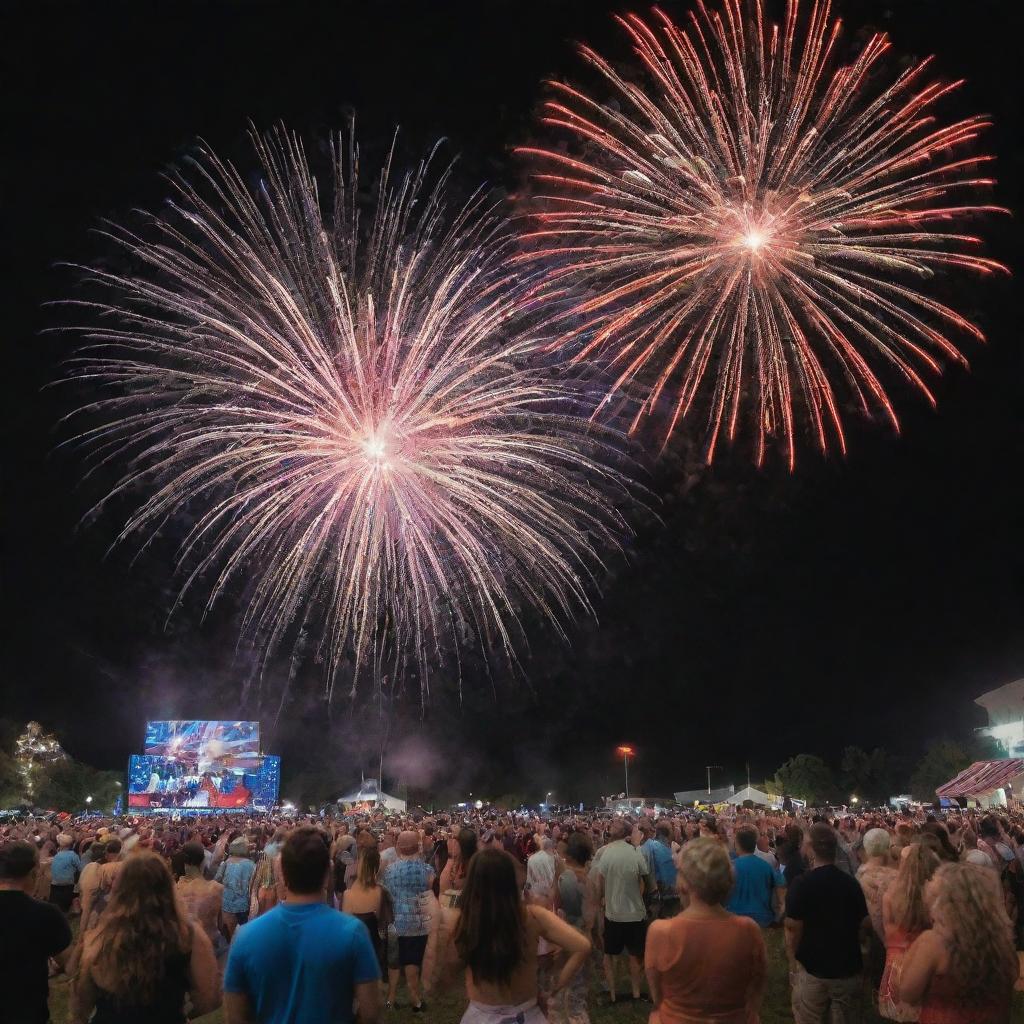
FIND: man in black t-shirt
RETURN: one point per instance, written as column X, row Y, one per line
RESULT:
column 30, row 933
column 826, row 915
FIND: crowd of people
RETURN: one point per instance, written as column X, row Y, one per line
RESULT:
column 314, row 919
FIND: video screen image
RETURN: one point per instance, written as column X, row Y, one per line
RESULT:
column 168, row 783
column 206, row 746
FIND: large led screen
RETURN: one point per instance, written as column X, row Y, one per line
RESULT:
column 206, row 746
column 169, row 783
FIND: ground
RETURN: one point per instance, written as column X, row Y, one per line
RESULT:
column 448, row 1010
column 774, row 1010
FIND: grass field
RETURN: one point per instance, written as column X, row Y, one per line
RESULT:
column 448, row 1010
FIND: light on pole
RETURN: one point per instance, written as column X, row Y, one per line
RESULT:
column 709, row 767
column 627, row 753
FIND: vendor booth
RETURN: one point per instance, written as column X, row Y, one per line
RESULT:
column 987, row 783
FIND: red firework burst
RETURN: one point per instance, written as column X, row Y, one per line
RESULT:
column 751, row 229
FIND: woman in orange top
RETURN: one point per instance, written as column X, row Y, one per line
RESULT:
column 706, row 964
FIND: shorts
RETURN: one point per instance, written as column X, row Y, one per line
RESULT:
column 62, row 896
column 411, row 949
column 483, row 1013
column 624, row 935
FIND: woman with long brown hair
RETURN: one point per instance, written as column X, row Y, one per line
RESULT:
column 495, row 937
column 461, row 848
column 904, row 918
column 963, row 969
column 145, row 954
column 367, row 900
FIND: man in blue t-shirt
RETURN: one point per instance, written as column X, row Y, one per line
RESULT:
column 658, row 851
column 754, row 891
column 302, row 962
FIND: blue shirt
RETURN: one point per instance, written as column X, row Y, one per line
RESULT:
column 659, row 855
column 752, row 893
column 300, row 963
column 405, row 882
column 64, row 866
column 236, row 876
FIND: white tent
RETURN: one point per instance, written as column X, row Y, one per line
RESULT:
column 370, row 793
column 755, row 796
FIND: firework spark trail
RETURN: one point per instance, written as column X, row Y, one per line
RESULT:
column 748, row 220
column 353, row 414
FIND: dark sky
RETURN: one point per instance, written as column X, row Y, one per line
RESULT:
column 865, row 600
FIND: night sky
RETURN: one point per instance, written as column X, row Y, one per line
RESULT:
column 861, row 600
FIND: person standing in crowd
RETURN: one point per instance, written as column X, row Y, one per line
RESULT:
column 826, row 914
column 622, row 879
column 201, row 898
column 754, row 893
column 235, row 874
column 496, row 936
column 578, row 904
column 31, row 933
column 388, row 848
column 541, row 874
column 875, row 876
column 145, row 955
column 303, row 962
column 408, row 882
column 658, row 850
column 64, row 872
column 764, row 851
column 963, row 969
column 460, row 851
column 706, row 964
column 365, row 840
column 791, row 854
column 366, row 900
column 904, row 918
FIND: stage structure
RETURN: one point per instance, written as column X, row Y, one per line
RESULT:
column 369, row 796
column 203, row 767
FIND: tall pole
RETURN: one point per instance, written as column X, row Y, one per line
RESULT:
column 626, row 751
column 709, row 767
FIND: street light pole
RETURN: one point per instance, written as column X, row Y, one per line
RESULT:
column 717, row 767
column 626, row 753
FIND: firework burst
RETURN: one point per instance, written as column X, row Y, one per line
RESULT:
column 350, row 416
column 750, row 230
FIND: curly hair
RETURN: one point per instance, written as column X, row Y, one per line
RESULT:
column 143, row 926
column 965, row 899
column 906, row 896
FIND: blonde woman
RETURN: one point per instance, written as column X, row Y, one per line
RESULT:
column 145, row 955
column 705, row 964
column 904, row 918
column 963, row 969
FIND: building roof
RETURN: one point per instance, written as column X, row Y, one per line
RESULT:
column 754, row 795
column 1011, row 695
column 716, row 796
column 983, row 777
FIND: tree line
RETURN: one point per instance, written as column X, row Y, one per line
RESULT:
column 874, row 776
